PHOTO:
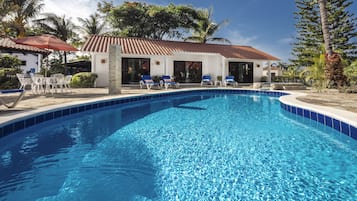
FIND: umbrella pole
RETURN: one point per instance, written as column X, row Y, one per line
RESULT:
column 65, row 61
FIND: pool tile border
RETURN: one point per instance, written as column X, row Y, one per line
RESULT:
column 31, row 120
column 326, row 120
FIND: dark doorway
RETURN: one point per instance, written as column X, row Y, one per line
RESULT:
column 242, row 71
column 133, row 68
column 188, row 71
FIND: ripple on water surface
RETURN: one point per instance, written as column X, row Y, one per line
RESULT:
column 196, row 148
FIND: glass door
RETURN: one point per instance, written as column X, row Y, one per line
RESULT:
column 242, row 71
column 188, row 71
column 133, row 68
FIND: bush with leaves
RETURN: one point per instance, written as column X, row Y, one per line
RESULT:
column 314, row 74
column 351, row 73
column 8, row 61
column 9, row 66
column 83, row 80
column 8, row 79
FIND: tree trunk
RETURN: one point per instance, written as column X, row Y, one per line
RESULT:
column 325, row 27
column 334, row 66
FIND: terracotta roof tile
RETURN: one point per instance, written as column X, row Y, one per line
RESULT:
column 7, row 43
column 142, row 46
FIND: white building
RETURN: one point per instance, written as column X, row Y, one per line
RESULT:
column 30, row 56
column 186, row 61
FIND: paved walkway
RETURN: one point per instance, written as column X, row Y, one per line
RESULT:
column 332, row 98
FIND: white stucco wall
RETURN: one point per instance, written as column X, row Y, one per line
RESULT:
column 100, row 66
column 32, row 61
column 213, row 64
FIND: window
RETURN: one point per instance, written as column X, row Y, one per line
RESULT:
column 23, row 63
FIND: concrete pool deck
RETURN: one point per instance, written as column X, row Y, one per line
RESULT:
column 341, row 104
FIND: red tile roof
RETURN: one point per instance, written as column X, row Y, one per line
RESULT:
column 7, row 43
column 142, row 46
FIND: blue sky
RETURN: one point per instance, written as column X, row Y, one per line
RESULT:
column 267, row 25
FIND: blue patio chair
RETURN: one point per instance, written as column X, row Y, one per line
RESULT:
column 229, row 80
column 147, row 81
column 11, row 91
column 206, row 79
column 167, row 81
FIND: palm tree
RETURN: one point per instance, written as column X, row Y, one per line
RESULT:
column 53, row 24
column 207, row 28
column 92, row 25
column 314, row 74
column 334, row 67
column 58, row 26
column 23, row 11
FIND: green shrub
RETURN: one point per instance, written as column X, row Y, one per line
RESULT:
column 8, row 61
column 264, row 79
column 8, row 79
column 83, row 80
column 156, row 78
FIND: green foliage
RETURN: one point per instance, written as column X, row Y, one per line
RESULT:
column 156, row 78
column 206, row 28
column 56, row 66
column 59, row 26
column 17, row 15
column 264, row 79
column 309, row 31
column 9, row 66
column 134, row 19
column 291, row 73
column 8, row 61
column 314, row 74
column 92, row 25
column 351, row 73
column 83, row 57
column 83, row 80
column 8, row 79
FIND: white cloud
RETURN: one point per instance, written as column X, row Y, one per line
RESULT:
column 286, row 41
column 71, row 9
column 238, row 39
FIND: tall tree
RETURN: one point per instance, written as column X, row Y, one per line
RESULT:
column 342, row 28
column 206, row 28
column 325, row 27
column 135, row 19
column 22, row 11
column 59, row 26
column 334, row 67
column 92, row 25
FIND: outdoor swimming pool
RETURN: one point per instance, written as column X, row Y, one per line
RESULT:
column 194, row 146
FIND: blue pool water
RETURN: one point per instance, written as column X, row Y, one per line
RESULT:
column 187, row 147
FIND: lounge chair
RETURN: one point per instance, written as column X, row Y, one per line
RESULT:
column 167, row 81
column 229, row 80
column 11, row 91
column 147, row 81
column 206, row 79
column 24, row 80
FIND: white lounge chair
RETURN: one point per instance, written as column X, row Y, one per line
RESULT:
column 229, row 80
column 167, row 81
column 206, row 79
column 24, row 80
column 147, row 81
column 11, row 91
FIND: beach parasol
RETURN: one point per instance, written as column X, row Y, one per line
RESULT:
column 47, row 41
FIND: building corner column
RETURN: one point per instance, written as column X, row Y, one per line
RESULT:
column 115, row 70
